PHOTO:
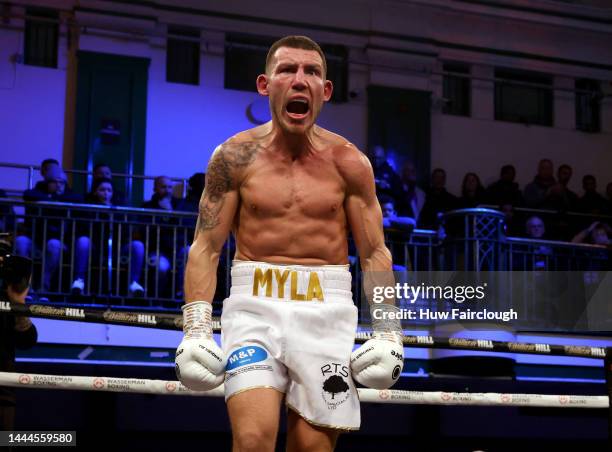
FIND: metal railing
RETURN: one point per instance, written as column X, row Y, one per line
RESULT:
column 30, row 172
column 110, row 248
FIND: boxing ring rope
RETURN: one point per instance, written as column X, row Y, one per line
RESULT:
column 387, row 396
column 393, row 396
column 175, row 322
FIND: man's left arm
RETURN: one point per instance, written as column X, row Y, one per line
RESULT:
column 379, row 362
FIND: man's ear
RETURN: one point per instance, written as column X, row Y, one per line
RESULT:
column 262, row 84
column 328, row 89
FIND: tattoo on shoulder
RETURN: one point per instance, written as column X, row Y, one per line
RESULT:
column 220, row 178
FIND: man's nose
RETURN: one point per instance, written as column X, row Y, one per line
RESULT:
column 299, row 80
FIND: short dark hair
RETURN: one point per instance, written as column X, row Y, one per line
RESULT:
column 506, row 168
column 100, row 165
column 295, row 42
column 588, row 177
column 46, row 162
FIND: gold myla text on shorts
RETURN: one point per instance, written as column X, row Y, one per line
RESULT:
column 266, row 279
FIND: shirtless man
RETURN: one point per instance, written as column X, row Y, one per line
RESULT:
column 289, row 191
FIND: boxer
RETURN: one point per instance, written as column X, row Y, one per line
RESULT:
column 289, row 191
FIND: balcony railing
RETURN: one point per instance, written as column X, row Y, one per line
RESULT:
column 111, row 248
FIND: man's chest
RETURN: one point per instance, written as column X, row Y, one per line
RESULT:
column 277, row 189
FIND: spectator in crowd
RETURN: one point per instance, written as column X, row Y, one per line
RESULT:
column 437, row 200
column 609, row 197
column 396, row 231
column 536, row 191
column 103, row 171
column 101, row 194
column 390, row 217
column 54, row 190
column 512, row 226
column 387, row 181
column 15, row 331
column 46, row 166
column 194, row 192
column 559, row 196
column 159, row 253
column 412, row 198
column 535, row 228
column 190, row 203
column 472, row 192
column 162, row 195
column 540, row 254
column 591, row 202
column 6, row 218
column 505, row 190
column 597, row 233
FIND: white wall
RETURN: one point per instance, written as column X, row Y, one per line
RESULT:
column 185, row 123
column 31, row 110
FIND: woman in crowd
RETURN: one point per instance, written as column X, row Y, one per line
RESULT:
column 96, row 229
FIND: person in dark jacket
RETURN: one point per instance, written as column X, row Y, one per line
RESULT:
column 472, row 192
column 15, row 332
column 535, row 192
column 160, row 247
column 505, row 190
column 103, row 171
column 50, row 223
column 437, row 200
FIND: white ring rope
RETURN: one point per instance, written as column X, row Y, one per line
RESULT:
column 392, row 396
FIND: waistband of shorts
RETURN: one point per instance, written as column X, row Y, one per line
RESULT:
column 251, row 276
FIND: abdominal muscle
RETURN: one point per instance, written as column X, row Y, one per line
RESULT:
column 304, row 241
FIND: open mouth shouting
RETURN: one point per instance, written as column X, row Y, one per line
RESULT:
column 297, row 108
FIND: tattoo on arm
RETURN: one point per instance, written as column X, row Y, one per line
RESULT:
column 220, row 175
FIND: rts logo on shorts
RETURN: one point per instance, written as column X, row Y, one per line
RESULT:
column 335, row 386
column 246, row 355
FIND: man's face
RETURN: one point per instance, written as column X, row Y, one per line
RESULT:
column 508, row 175
column 388, row 211
column 409, row 173
column 380, row 156
column 102, row 172
column 545, row 169
column 57, row 186
column 564, row 175
column 48, row 168
column 163, row 187
column 589, row 184
column 297, row 88
column 438, row 179
column 535, row 228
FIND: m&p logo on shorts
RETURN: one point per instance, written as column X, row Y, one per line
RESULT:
column 246, row 355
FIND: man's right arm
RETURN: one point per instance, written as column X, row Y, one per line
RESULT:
column 217, row 210
column 200, row 363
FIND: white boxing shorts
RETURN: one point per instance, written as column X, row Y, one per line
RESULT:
column 292, row 328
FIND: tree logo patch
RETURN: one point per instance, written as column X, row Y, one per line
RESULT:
column 335, row 385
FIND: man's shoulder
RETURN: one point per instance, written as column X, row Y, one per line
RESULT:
column 245, row 142
column 352, row 164
column 333, row 140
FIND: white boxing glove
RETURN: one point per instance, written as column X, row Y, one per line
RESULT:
column 199, row 362
column 378, row 363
